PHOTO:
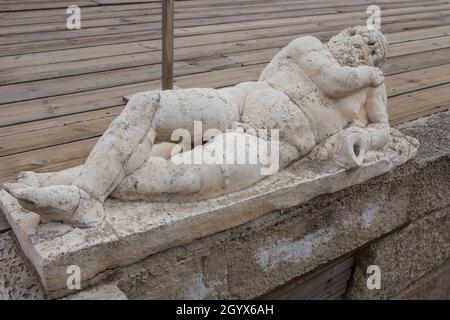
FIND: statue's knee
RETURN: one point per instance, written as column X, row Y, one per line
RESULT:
column 144, row 99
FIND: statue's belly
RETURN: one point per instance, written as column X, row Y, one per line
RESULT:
column 328, row 115
column 325, row 119
column 273, row 110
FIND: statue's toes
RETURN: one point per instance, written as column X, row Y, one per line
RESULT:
column 17, row 190
column 23, row 193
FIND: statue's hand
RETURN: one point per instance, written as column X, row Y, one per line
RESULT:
column 346, row 148
column 376, row 76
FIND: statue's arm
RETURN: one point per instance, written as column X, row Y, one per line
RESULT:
column 376, row 110
column 322, row 68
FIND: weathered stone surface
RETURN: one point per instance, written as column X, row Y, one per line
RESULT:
column 431, row 184
column 17, row 277
column 108, row 291
column 404, row 256
column 434, row 130
column 3, row 223
column 135, row 230
column 435, row 285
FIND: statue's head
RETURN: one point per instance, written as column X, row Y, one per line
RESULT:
column 359, row 46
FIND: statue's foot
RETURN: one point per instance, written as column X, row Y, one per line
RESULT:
column 52, row 203
column 66, row 203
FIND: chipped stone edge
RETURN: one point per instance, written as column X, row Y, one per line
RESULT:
column 3, row 223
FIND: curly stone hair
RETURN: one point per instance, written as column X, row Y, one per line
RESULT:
column 359, row 46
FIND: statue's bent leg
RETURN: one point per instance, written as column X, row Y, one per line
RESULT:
column 124, row 147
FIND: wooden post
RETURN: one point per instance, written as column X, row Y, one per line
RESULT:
column 167, row 43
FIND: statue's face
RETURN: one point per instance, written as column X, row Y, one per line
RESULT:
column 359, row 46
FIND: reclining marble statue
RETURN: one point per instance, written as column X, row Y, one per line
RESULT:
column 327, row 101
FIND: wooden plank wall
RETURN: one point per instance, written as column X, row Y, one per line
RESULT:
column 60, row 89
column 324, row 283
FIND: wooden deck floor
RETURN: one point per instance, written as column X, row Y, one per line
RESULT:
column 60, row 89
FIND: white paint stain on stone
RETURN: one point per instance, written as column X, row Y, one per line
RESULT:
column 194, row 288
column 292, row 251
column 350, row 220
column 369, row 214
